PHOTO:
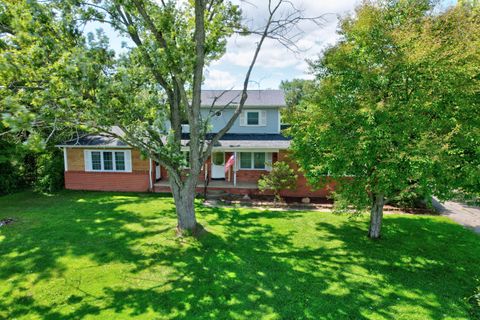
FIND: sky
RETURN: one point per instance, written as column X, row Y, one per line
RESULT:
column 275, row 62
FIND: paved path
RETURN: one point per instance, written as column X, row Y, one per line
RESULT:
column 467, row 216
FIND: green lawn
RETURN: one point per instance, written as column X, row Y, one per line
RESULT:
column 86, row 255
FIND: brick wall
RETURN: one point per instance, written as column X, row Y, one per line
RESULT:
column 77, row 179
column 303, row 187
column 136, row 181
column 250, row 175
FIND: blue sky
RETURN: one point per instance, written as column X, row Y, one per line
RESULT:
column 275, row 63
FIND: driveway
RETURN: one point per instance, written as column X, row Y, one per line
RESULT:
column 467, row 216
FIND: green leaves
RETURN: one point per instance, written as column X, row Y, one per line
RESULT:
column 396, row 106
column 281, row 177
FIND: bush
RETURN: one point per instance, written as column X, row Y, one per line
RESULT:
column 475, row 303
column 282, row 177
column 49, row 172
column 10, row 179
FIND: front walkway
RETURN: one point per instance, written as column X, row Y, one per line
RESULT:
column 467, row 216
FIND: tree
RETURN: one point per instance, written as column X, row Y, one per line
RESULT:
column 295, row 91
column 282, row 177
column 147, row 91
column 36, row 54
column 394, row 107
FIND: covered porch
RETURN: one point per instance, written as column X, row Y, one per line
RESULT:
column 214, row 184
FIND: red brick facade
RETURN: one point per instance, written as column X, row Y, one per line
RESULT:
column 107, row 181
column 139, row 181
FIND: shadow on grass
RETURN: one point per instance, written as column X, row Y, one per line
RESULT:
column 252, row 267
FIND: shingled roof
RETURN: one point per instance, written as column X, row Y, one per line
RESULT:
column 95, row 140
column 256, row 98
column 228, row 141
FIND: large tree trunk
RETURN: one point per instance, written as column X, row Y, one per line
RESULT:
column 376, row 216
column 184, row 196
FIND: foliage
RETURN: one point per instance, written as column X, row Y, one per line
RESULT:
column 116, row 256
column 281, row 177
column 474, row 300
column 50, row 171
column 395, row 105
column 50, row 75
column 296, row 91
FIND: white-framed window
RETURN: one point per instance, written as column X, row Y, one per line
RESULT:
column 255, row 160
column 253, row 118
column 108, row 160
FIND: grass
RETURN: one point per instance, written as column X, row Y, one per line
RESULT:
column 87, row 255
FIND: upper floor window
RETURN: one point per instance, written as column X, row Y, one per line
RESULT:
column 254, row 118
column 107, row 160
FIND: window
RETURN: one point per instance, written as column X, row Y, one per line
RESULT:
column 259, row 160
column 218, row 158
column 96, row 161
column 252, row 160
column 107, row 160
column 120, row 161
column 253, row 118
column 245, row 160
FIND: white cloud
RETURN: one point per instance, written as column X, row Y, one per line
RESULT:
column 218, row 79
column 275, row 63
column 275, row 60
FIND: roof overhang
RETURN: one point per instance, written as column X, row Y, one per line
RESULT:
column 92, row 146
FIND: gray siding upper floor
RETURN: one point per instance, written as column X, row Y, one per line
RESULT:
column 271, row 125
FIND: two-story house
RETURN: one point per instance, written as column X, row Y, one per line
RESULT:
column 99, row 162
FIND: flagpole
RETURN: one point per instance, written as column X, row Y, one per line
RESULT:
column 235, row 170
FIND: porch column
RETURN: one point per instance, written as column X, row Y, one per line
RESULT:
column 65, row 159
column 235, row 170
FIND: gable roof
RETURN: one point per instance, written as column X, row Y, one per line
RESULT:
column 95, row 140
column 256, row 98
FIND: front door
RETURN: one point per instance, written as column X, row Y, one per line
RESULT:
column 218, row 165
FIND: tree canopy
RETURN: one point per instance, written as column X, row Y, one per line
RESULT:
column 395, row 110
column 148, row 92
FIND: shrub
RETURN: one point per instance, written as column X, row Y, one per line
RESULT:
column 49, row 172
column 282, row 177
column 475, row 303
column 10, row 179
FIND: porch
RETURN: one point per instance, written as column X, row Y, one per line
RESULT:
column 213, row 184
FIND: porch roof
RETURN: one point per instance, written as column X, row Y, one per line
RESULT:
column 230, row 141
column 238, row 141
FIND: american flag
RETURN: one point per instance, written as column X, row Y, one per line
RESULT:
column 230, row 162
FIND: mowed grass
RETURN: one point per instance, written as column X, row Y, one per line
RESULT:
column 87, row 255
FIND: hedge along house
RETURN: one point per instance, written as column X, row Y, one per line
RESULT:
column 100, row 162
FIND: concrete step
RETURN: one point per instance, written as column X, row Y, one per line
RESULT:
column 216, row 191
